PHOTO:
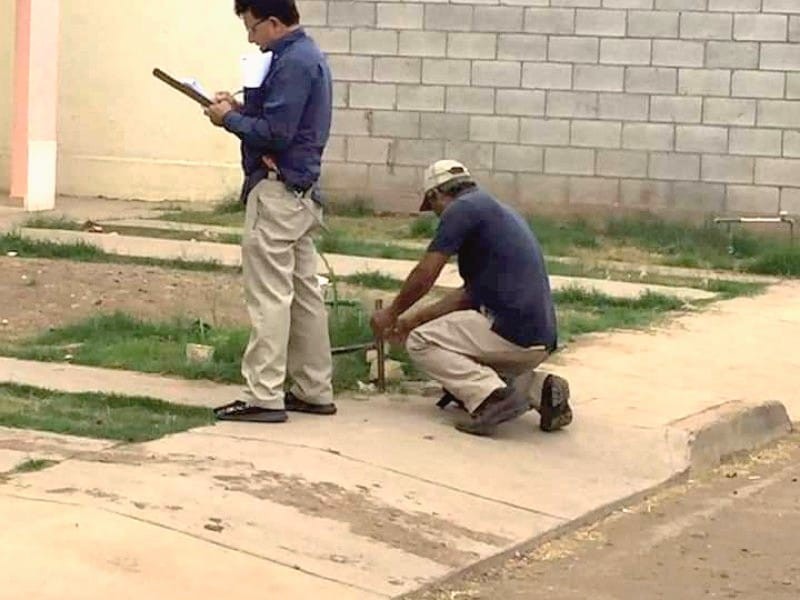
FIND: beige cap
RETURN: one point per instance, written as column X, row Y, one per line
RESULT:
column 440, row 173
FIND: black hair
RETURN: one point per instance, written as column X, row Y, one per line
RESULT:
column 455, row 187
column 283, row 10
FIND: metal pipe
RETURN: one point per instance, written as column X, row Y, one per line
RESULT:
column 379, row 345
column 352, row 348
column 783, row 217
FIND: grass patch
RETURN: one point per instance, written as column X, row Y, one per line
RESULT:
column 50, row 222
column 423, row 227
column 120, row 341
column 586, row 311
column 338, row 242
column 374, row 280
column 26, row 248
column 357, row 206
column 560, row 238
column 779, row 261
column 102, row 416
column 33, row 465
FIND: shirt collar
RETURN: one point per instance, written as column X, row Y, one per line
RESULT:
column 286, row 41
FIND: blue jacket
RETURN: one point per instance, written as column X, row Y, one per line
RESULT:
column 289, row 117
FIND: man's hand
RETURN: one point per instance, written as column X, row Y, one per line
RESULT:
column 382, row 321
column 402, row 327
column 216, row 112
column 229, row 98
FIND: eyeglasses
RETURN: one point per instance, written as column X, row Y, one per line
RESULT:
column 252, row 29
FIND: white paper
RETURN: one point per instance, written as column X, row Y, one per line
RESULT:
column 195, row 85
column 255, row 67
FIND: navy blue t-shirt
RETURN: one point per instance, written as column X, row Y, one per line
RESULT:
column 502, row 265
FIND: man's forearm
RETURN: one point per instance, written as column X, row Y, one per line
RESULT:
column 452, row 302
column 415, row 287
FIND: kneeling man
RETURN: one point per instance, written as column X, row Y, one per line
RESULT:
column 481, row 342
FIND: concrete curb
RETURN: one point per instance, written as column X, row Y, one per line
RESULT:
column 704, row 440
column 711, row 436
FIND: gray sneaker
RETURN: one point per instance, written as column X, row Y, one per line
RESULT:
column 555, row 410
column 502, row 405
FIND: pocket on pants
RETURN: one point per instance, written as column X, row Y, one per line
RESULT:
column 280, row 215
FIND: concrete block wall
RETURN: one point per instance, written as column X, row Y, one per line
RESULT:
column 663, row 104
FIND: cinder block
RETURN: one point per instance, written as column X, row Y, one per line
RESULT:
column 521, row 47
column 644, row 193
column 498, row 18
column 544, row 132
column 627, row 3
column 398, row 70
column 794, row 29
column 652, row 24
column 350, row 68
column 625, row 107
column 330, row 39
column 373, row 95
column 698, row 197
column 529, row 159
column 606, row 23
column 446, row 71
column 350, row 122
column 420, row 97
column 574, row 49
column 576, row 3
column 371, row 41
column 596, row 134
column 470, row 100
column 779, row 113
column 345, row 176
column 527, row 2
column 569, row 161
column 706, row 26
column 341, row 93
column 790, row 201
column 351, row 14
column 651, row 80
column 676, row 109
column 752, row 199
column 555, row 21
column 682, row 167
column 678, row 53
column 625, row 52
column 755, row 142
column 735, row 6
column 313, row 12
column 401, row 15
column 727, row 169
column 758, row 84
column 446, row 17
column 520, row 102
column 593, row 190
column 423, row 43
column 335, row 149
column 543, row 190
column 793, row 85
column 648, row 136
column 471, row 45
column 732, row 55
column 780, row 57
column 581, row 105
column 781, row 6
column 443, row 126
column 778, row 171
column 497, row 73
column 494, row 129
column 722, row 111
column 697, row 138
column 760, row 28
column 548, row 76
column 474, row 156
column 368, row 150
column 704, row 82
column 622, row 163
column 791, row 144
column 395, row 124
column 680, row 4
column 419, row 153
column 391, row 177
column 599, row 78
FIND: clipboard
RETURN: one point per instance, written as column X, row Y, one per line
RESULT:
column 182, row 88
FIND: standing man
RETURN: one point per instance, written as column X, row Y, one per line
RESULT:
column 500, row 325
column 283, row 126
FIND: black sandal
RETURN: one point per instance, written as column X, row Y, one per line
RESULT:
column 241, row 411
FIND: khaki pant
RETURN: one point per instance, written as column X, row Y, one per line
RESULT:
column 287, row 311
column 460, row 351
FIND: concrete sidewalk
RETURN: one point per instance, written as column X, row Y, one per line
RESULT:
column 342, row 265
column 386, row 496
